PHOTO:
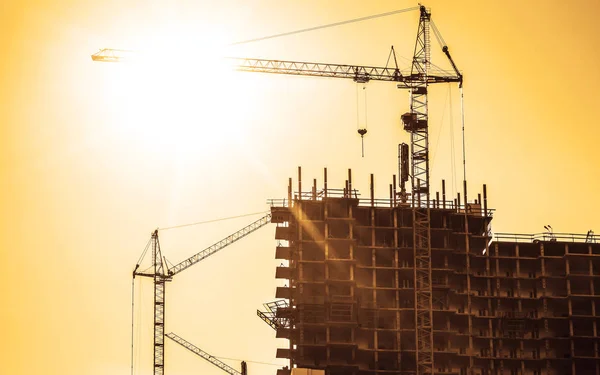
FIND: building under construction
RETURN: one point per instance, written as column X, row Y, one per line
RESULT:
column 504, row 305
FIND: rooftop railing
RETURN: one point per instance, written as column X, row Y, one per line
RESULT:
column 471, row 208
column 547, row 237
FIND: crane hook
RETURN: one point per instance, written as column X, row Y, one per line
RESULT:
column 362, row 133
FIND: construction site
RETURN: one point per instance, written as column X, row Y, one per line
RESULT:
column 414, row 282
column 360, row 300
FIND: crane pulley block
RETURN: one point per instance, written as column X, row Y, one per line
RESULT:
column 412, row 123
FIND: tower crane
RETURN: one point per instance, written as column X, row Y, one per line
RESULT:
column 415, row 122
column 161, row 274
column 201, row 353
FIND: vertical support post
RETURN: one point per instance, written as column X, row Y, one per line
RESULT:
column 290, row 192
column 444, row 194
column 372, row 191
column 485, row 211
column 394, row 192
column 485, row 218
column 325, row 182
column 299, row 183
column 349, row 182
column 314, row 189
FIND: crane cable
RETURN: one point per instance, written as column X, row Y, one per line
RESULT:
column 133, row 300
column 212, row 221
column 240, row 360
column 132, row 318
column 357, row 109
column 452, row 147
column 325, row 26
column 462, row 111
column 140, row 314
column 437, row 33
column 442, row 43
column 361, row 130
column 143, row 254
column 136, row 331
column 434, row 153
column 366, row 116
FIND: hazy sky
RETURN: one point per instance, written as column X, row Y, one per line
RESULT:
column 95, row 156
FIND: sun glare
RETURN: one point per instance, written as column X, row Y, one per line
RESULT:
column 179, row 96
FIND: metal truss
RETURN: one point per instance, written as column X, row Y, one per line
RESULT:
column 221, row 244
column 418, row 129
column 355, row 72
column 159, row 306
column 199, row 352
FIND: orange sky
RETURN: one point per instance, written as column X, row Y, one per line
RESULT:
column 95, row 156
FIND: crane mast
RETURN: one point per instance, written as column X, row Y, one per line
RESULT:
column 418, row 127
column 159, row 306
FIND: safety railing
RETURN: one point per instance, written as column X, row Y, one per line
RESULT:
column 470, row 208
column 547, row 237
column 278, row 202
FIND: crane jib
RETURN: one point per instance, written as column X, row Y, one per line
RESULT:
column 357, row 73
column 219, row 245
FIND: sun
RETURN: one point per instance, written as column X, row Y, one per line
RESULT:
column 178, row 96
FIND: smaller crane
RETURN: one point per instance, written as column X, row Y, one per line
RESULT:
column 201, row 353
column 161, row 273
